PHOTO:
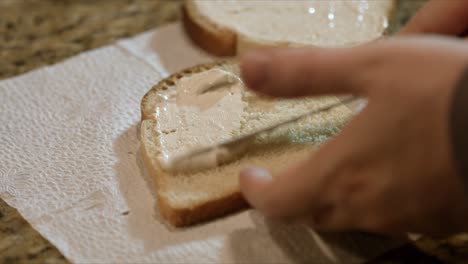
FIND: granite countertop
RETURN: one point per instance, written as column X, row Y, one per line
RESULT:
column 34, row 33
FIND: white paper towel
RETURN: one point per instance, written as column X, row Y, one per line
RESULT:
column 69, row 162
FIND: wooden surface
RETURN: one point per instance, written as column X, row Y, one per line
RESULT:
column 34, row 33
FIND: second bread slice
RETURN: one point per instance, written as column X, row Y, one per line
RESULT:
column 227, row 28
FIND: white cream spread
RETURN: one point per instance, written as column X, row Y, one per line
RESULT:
column 206, row 109
column 312, row 22
column 186, row 163
column 213, row 106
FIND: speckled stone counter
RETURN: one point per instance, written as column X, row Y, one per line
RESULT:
column 34, row 33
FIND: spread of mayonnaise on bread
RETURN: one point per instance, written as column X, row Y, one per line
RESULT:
column 211, row 107
column 203, row 109
column 312, row 22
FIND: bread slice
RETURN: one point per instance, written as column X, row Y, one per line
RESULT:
column 227, row 28
column 188, row 198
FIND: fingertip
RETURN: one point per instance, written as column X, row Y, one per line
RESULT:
column 254, row 68
column 255, row 177
column 253, row 182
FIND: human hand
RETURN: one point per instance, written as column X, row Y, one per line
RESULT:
column 440, row 17
column 391, row 169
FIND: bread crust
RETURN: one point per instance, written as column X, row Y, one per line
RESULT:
column 222, row 41
column 148, row 105
column 179, row 217
column 218, row 41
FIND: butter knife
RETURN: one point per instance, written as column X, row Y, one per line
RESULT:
column 224, row 152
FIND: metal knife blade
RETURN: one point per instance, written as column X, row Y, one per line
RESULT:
column 226, row 151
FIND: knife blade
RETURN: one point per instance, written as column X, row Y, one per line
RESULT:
column 224, row 152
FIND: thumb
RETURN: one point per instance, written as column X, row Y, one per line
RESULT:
column 299, row 189
column 316, row 185
column 287, row 196
column 305, row 71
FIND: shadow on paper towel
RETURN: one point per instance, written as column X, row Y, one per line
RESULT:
column 270, row 242
column 139, row 190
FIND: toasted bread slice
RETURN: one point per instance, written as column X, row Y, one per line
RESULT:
column 227, row 28
column 190, row 198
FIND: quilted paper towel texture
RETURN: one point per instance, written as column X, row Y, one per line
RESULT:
column 69, row 163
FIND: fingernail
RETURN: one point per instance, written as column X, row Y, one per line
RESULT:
column 254, row 69
column 257, row 174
